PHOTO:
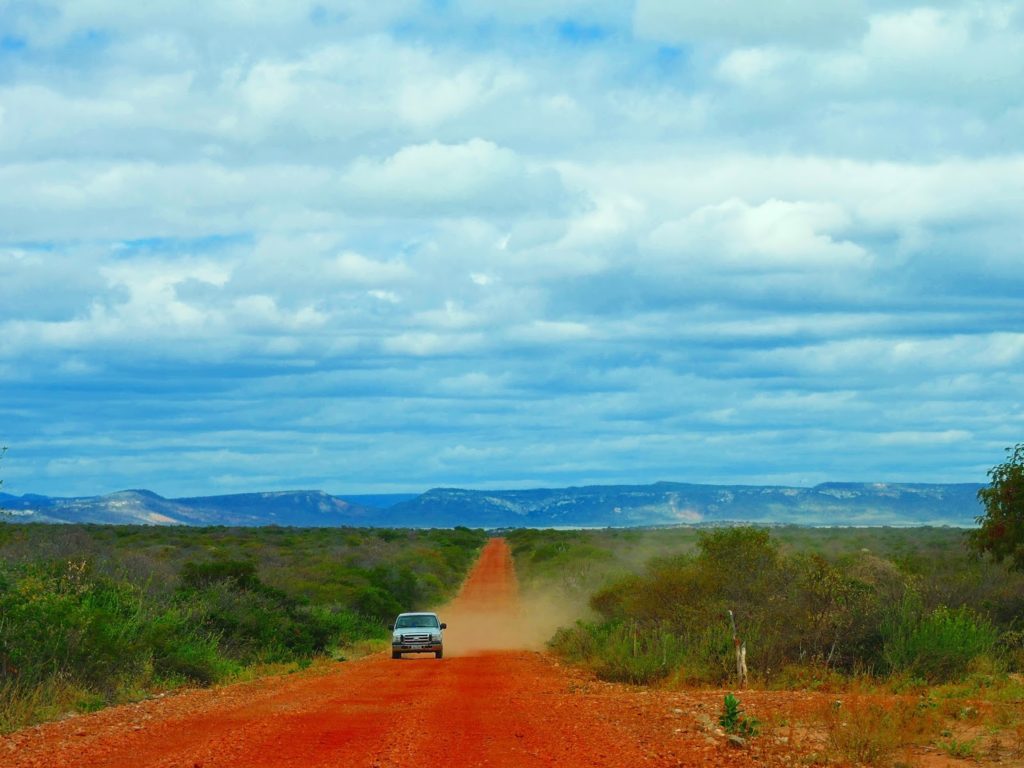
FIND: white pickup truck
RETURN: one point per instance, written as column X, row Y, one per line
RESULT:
column 417, row 633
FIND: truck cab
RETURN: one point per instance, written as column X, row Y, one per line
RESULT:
column 420, row 632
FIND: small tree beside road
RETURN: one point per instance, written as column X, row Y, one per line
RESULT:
column 1001, row 531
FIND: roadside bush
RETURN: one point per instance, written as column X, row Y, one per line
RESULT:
column 614, row 602
column 837, row 614
column 865, row 733
column 863, row 730
column 401, row 583
column 1011, row 646
column 256, row 623
column 688, row 599
column 937, row 647
column 622, row 652
column 240, row 574
column 627, row 651
column 59, row 621
column 183, row 652
column 376, row 604
column 634, row 654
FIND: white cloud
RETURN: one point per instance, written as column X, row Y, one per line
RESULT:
column 257, row 313
column 429, row 98
column 551, row 331
column 356, row 268
column 910, row 356
column 130, row 200
column 389, row 296
column 474, row 384
column 773, row 236
column 971, row 53
column 918, row 439
column 974, row 51
column 805, row 198
column 453, row 178
column 428, row 344
column 750, row 66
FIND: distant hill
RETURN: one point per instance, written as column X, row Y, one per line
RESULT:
column 380, row 500
column 286, row 508
column 590, row 506
column 683, row 503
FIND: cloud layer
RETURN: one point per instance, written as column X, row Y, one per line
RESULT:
column 385, row 246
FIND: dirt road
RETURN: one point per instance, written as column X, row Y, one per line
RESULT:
column 477, row 707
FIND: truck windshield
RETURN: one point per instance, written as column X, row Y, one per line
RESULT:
column 405, row 622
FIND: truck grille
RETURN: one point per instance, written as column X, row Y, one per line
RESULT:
column 416, row 639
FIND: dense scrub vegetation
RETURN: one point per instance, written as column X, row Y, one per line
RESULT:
column 91, row 615
column 811, row 604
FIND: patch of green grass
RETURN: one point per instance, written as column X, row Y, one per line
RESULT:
column 962, row 749
column 938, row 646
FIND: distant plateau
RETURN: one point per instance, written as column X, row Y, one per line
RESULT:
column 658, row 504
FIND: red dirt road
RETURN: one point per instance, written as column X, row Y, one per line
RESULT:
column 473, row 708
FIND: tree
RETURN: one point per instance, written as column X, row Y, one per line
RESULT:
column 1001, row 531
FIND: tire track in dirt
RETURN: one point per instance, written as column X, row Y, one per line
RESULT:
column 477, row 707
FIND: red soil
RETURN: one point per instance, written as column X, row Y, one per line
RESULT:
column 474, row 708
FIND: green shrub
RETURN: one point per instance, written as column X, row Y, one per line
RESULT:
column 631, row 653
column 250, row 625
column 939, row 646
column 1011, row 646
column 615, row 601
column 635, row 654
column 401, row 583
column 628, row 651
column 180, row 651
column 376, row 603
column 578, row 643
column 59, row 621
column 742, row 549
column 733, row 720
column 240, row 574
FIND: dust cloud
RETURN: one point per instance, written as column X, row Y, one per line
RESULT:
column 523, row 625
column 490, row 613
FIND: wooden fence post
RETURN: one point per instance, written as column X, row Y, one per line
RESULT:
column 741, row 654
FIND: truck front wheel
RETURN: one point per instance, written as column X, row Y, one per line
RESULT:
column 396, row 655
column 438, row 654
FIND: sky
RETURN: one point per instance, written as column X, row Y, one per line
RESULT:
column 387, row 246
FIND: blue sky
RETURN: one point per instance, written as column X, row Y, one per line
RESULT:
column 370, row 247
